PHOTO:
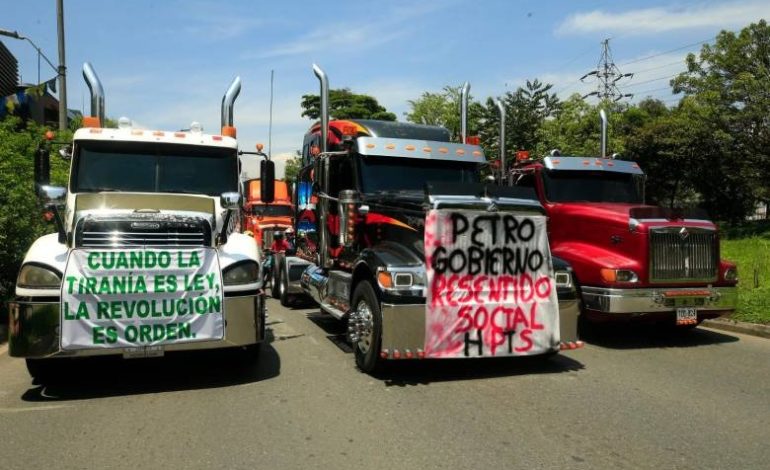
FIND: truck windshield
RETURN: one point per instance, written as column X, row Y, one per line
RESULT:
column 154, row 168
column 271, row 210
column 405, row 174
column 593, row 186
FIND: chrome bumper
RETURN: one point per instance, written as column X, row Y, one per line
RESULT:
column 403, row 325
column 659, row 299
column 34, row 329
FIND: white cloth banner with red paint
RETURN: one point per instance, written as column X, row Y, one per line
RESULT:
column 490, row 285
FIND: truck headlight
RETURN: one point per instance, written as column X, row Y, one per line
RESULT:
column 242, row 272
column 563, row 279
column 395, row 279
column 35, row 276
column 619, row 275
column 731, row 274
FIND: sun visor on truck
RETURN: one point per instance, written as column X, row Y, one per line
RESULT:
column 479, row 190
column 166, row 202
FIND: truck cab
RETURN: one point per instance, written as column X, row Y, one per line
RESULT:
column 145, row 259
column 632, row 261
column 264, row 218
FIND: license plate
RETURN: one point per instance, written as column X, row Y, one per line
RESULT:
column 686, row 316
column 138, row 353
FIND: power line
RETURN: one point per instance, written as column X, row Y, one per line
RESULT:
column 679, row 62
column 652, row 80
column 642, row 59
column 653, row 90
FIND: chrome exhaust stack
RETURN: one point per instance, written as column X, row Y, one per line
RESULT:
column 324, row 165
column 603, row 116
column 97, row 92
column 228, row 104
column 464, row 92
column 503, row 172
column 324, row 106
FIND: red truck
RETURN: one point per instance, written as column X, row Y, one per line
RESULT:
column 631, row 261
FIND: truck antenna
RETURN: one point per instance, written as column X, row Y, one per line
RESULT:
column 270, row 126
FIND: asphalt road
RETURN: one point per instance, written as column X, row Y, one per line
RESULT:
column 630, row 399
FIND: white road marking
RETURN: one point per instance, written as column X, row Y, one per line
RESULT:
column 34, row 408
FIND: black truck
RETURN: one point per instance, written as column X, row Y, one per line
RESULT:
column 397, row 235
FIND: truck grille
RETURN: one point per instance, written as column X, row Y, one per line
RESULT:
column 683, row 254
column 139, row 230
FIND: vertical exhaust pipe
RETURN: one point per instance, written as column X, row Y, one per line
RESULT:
column 603, row 115
column 228, row 104
column 324, row 161
column 503, row 169
column 464, row 92
column 97, row 92
column 324, row 105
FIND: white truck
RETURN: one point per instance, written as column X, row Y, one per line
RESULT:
column 145, row 259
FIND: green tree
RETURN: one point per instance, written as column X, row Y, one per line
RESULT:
column 291, row 170
column 344, row 104
column 443, row 109
column 526, row 111
column 728, row 83
column 20, row 210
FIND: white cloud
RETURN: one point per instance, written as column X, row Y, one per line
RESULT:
column 660, row 19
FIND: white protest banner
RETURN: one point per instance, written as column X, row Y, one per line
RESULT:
column 491, row 290
column 131, row 298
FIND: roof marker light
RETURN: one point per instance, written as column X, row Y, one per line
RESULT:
column 409, row 147
column 460, row 152
column 390, row 146
column 180, row 134
column 370, row 146
column 476, row 153
column 158, row 133
column 137, row 132
column 427, row 149
column 217, row 138
column 443, row 150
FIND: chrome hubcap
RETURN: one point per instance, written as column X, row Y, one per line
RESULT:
column 361, row 326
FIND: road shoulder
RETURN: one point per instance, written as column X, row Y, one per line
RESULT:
column 726, row 324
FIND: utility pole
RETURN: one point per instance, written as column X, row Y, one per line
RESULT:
column 607, row 75
column 62, row 69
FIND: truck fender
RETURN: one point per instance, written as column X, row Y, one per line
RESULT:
column 586, row 260
column 45, row 251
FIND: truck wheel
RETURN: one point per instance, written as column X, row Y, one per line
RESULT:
column 42, row 370
column 365, row 322
column 283, row 292
column 275, row 289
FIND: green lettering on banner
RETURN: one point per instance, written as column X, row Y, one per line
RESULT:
column 92, row 260
column 98, row 335
column 82, row 312
column 67, row 314
column 71, row 283
column 157, row 283
column 144, row 333
column 130, row 334
column 102, row 310
column 112, row 335
column 164, row 259
column 185, row 331
column 171, row 331
column 158, row 332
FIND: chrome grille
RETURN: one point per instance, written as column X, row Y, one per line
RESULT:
column 143, row 231
column 683, row 254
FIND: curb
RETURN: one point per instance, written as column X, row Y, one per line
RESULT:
column 724, row 324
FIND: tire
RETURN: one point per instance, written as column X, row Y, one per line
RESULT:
column 367, row 350
column 283, row 291
column 42, row 370
column 275, row 289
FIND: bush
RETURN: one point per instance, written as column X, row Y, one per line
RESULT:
column 21, row 219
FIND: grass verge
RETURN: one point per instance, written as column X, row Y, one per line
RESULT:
column 750, row 249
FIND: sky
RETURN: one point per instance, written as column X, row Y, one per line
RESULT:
column 164, row 64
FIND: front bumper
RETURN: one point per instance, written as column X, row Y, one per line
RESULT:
column 403, row 326
column 34, row 328
column 709, row 301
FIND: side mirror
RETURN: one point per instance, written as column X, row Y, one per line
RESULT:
column 267, row 181
column 42, row 167
column 53, row 195
column 66, row 152
column 230, row 200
